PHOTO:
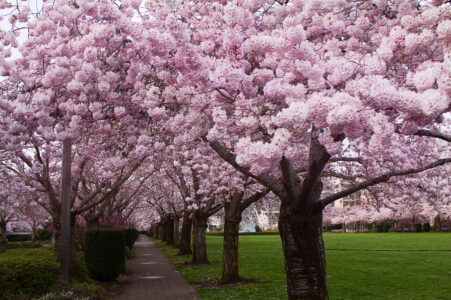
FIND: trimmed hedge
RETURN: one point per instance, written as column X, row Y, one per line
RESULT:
column 32, row 275
column 105, row 253
column 43, row 235
column 131, row 235
column 18, row 237
column 128, row 252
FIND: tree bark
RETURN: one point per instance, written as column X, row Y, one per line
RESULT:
column 33, row 234
column 232, row 219
column 185, row 237
column 170, row 231
column 437, row 225
column 2, row 236
column 163, row 231
column 199, row 238
column 303, row 247
column 176, row 231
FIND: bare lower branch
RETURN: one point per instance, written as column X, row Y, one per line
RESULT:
column 376, row 180
column 267, row 180
column 435, row 134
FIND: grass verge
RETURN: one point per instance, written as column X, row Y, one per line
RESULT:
column 360, row 266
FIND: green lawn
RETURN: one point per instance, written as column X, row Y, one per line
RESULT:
column 360, row 266
column 12, row 253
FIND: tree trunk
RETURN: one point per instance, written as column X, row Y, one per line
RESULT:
column 185, row 236
column 2, row 236
column 164, row 231
column 57, row 242
column 33, row 234
column 176, row 231
column 232, row 219
column 303, row 248
column 170, row 231
column 437, row 225
column 199, row 238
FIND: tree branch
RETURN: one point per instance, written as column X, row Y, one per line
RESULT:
column 376, row 180
column 435, row 134
column 265, row 179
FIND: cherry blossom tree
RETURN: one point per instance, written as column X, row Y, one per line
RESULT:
column 281, row 89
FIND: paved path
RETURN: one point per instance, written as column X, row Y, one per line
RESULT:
column 154, row 276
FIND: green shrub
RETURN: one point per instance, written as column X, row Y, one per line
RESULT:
column 129, row 238
column 418, row 227
column 426, row 227
column 83, row 287
column 18, row 237
column 43, row 235
column 82, row 269
column 32, row 275
column 28, row 244
column 131, row 235
column 105, row 253
column 136, row 234
column 128, row 252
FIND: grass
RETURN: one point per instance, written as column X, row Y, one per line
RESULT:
column 360, row 266
column 15, row 253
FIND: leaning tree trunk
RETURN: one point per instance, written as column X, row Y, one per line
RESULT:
column 176, row 231
column 199, row 238
column 303, row 248
column 232, row 219
column 185, row 236
column 170, row 231
column 2, row 236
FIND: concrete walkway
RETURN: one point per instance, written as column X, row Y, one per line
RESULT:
column 153, row 276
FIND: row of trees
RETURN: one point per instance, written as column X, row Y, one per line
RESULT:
column 192, row 107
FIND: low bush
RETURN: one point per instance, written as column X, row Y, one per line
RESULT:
column 426, row 227
column 130, row 237
column 33, row 275
column 128, row 252
column 28, row 244
column 43, row 235
column 12, row 237
column 105, row 253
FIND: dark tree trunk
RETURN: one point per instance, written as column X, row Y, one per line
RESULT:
column 176, row 231
column 232, row 219
column 303, row 247
column 199, row 238
column 170, row 231
column 57, row 242
column 185, row 237
column 33, row 234
column 164, row 231
column 2, row 236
